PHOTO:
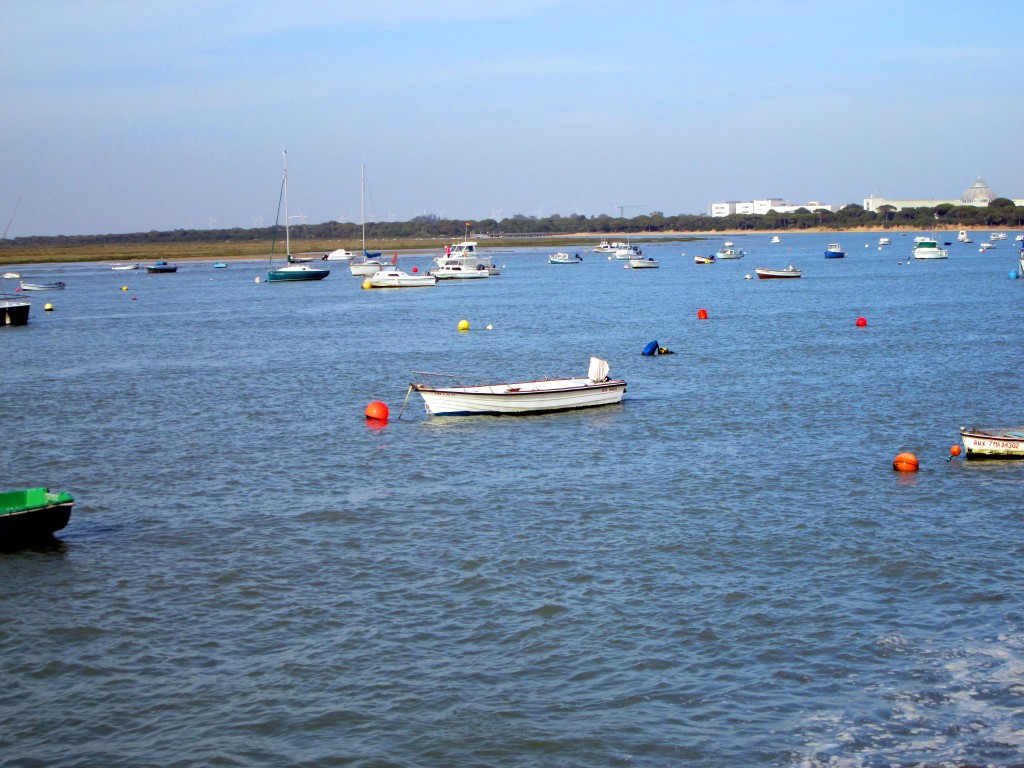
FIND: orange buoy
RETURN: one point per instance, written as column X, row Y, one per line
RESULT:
column 861, row 322
column 905, row 462
column 702, row 314
column 377, row 410
column 954, row 450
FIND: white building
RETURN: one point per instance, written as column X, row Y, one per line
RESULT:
column 977, row 194
column 761, row 207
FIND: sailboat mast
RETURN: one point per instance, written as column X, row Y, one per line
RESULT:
column 362, row 202
column 287, row 239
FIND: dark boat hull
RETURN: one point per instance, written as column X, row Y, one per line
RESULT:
column 33, row 524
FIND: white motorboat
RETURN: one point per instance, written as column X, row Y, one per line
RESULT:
column 465, row 252
column 60, row 285
column 605, row 247
column 997, row 236
column 929, row 249
column 364, row 267
column 627, row 251
column 339, row 254
column 775, row 239
column 647, row 263
column 564, row 258
column 520, row 397
column 709, row 259
column 764, row 273
column 728, row 252
column 393, row 277
column 986, row 247
column 123, row 267
column 453, row 269
column 963, row 237
column 884, row 241
column 12, row 275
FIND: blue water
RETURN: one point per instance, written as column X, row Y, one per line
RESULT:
column 724, row 570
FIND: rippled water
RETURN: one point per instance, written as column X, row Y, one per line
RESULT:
column 722, row 571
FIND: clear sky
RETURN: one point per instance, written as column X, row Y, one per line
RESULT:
column 133, row 116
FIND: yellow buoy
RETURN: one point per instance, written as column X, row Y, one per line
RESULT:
column 367, row 284
column 463, row 325
column 48, row 307
column 124, row 287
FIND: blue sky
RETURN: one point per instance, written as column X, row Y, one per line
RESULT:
column 125, row 117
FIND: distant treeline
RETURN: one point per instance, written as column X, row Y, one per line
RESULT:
column 1000, row 213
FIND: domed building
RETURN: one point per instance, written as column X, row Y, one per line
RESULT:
column 978, row 194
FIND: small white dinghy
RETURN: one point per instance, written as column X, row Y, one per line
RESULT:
column 538, row 396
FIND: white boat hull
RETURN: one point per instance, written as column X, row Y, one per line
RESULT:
column 365, row 268
column 521, row 397
column 396, row 278
column 995, row 444
column 643, row 264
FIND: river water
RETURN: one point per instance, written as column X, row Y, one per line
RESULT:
column 724, row 570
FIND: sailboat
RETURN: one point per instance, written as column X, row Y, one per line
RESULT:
column 369, row 263
column 293, row 270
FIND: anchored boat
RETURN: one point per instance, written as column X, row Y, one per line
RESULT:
column 518, row 397
column 992, row 443
column 32, row 514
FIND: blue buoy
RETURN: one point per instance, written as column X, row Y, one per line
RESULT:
column 1013, row 274
column 650, row 349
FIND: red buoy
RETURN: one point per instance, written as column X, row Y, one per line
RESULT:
column 861, row 322
column 702, row 314
column 905, row 462
column 377, row 410
column 954, row 450
column 415, row 270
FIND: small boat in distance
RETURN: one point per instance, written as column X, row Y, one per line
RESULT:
column 834, row 251
column 648, row 263
column 519, row 397
column 627, row 251
column 986, row 247
column 161, row 267
column 997, row 236
column 775, row 239
column 12, row 275
column 991, row 443
column 220, row 265
column 32, row 514
column 884, row 241
column 124, row 267
column 564, row 258
column 763, row 273
column 963, row 237
column 339, row 254
column 929, row 249
column 709, row 259
column 604, row 247
column 393, row 277
column 57, row 286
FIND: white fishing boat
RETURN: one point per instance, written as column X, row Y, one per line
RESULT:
column 605, row 247
column 648, row 263
column 519, row 397
column 564, row 258
column 775, row 239
column 997, row 236
column 963, row 237
column 884, row 241
column 466, row 253
column 835, row 251
column 929, row 249
column 991, row 443
column 627, row 251
column 294, row 270
column 727, row 251
column 764, row 273
column 709, row 259
column 453, row 269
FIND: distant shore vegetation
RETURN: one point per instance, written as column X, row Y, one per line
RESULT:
column 425, row 231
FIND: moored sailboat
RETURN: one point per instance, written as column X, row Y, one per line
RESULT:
column 294, row 270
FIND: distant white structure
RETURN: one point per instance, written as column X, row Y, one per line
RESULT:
column 762, row 207
column 977, row 194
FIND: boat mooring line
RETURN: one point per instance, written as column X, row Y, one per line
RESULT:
column 407, row 393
